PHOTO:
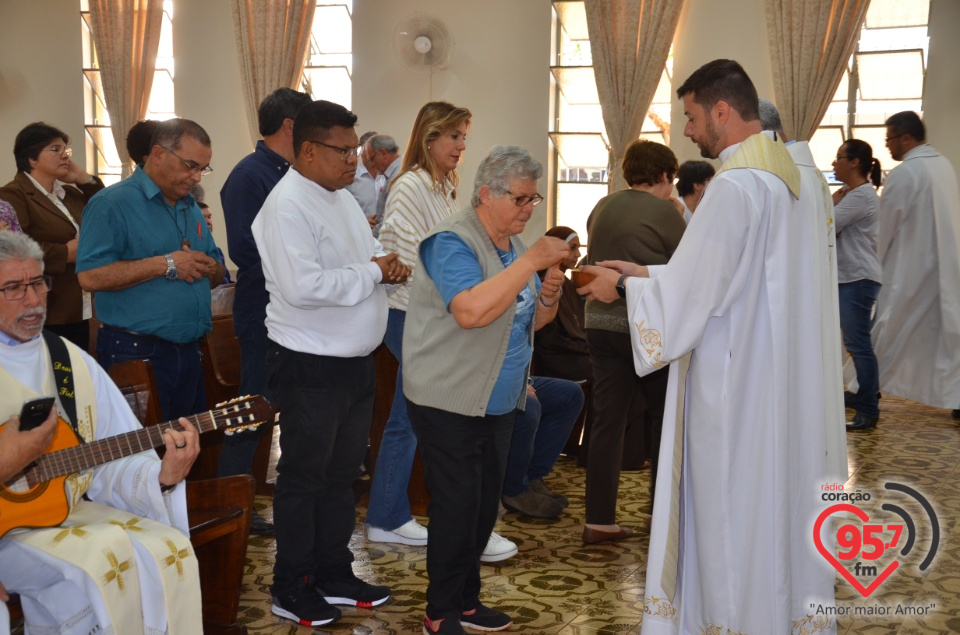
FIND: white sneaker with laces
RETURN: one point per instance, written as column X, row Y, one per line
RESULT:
column 409, row 533
column 498, row 548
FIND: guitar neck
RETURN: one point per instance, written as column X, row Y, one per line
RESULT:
column 87, row 455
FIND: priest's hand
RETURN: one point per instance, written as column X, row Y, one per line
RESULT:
column 183, row 447
column 603, row 287
column 622, row 266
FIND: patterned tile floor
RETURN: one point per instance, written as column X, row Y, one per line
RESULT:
column 555, row 585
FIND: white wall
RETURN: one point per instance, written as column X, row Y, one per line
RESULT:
column 499, row 71
column 709, row 30
column 40, row 72
column 941, row 92
column 208, row 90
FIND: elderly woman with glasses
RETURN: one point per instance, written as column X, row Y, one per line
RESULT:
column 48, row 194
column 640, row 225
column 475, row 302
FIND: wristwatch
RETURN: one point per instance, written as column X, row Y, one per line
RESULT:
column 171, row 268
column 621, row 288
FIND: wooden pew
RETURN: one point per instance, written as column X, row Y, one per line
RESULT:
column 220, row 351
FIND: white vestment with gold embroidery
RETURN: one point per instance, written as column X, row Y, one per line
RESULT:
column 742, row 294
column 133, row 537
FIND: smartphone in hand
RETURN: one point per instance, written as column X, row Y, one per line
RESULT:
column 34, row 412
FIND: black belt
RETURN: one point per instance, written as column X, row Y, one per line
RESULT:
column 145, row 336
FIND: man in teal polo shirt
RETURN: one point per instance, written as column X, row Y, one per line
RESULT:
column 146, row 251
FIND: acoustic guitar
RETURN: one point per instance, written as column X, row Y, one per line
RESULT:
column 36, row 497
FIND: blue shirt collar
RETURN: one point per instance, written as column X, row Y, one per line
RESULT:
column 9, row 340
column 152, row 191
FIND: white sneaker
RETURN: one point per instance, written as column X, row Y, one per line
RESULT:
column 409, row 533
column 498, row 548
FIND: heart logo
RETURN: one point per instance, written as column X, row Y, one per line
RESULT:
column 862, row 515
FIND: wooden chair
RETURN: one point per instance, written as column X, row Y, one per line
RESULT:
column 221, row 299
column 387, row 368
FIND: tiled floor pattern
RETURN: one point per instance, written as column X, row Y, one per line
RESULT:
column 556, row 585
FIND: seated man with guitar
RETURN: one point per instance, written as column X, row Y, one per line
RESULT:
column 89, row 550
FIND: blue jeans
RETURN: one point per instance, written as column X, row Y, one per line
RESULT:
column 856, row 302
column 389, row 506
column 541, row 431
column 177, row 368
column 237, row 450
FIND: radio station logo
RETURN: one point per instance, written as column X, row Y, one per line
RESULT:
column 862, row 546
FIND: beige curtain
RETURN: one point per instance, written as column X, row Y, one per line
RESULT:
column 127, row 35
column 810, row 46
column 273, row 37
column 630, row 41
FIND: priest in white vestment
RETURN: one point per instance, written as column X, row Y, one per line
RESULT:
column 738, row 308
column 121, row 562
column 916, row 331
column 817, row 202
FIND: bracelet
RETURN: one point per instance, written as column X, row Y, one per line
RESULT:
column 555, row 300
column 168, row 488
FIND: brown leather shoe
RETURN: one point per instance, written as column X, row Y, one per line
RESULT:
column 592, row 536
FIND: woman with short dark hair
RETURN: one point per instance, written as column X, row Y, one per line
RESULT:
column 49, row 193
column 640, row 225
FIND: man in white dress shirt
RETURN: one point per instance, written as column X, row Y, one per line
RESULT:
column 916, row 332
column 367, row 182
column 325, row 274
column 731, row 546
column 385, row 156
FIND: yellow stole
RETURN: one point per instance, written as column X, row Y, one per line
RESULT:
column 760, row 152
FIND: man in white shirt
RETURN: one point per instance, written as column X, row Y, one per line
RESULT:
column 731, row 544
column 385, row 156
column 916, row 331
column 325, row 273
column 367, row 182
column 815, row 198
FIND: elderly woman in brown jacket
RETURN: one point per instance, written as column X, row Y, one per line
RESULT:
column 49, row 193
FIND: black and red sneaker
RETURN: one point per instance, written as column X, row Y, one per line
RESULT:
column 305, row 606
column 484, row 618
column 442, row 626
column 353, row 592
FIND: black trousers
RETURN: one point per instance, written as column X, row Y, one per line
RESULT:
column 619, row 397
column 326, row 404
column 464, row 460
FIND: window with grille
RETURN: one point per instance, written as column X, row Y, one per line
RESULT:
column 578, row 138
column 885, row 76
column 329, row 68
column 104, row 154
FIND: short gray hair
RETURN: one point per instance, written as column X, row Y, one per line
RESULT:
column 770, row 117
column 169, row 133
column 501, row 164
column 14, row 246
column 383, row 142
